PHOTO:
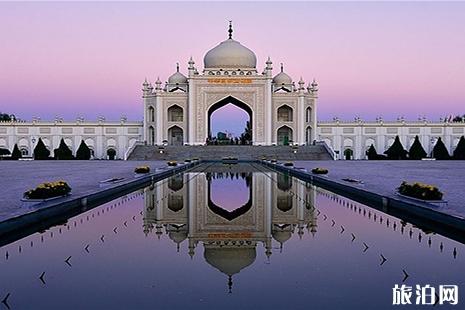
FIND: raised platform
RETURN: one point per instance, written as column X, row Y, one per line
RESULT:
column 217, row 152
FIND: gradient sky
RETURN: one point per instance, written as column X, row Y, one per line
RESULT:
column 370, row 58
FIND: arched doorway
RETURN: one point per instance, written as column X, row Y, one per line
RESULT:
column 348, row 154
column 175, row 136
column 111, row 153
column 284, row 135
column 242, row 131
column 229, row 194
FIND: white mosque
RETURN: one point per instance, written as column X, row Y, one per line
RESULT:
column 179, row 111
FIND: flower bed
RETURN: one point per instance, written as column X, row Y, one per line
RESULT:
column 288, row 164
column 172, row 163
column 142, row 169
column 320, row 171
column 420, row 191
column 48, row 190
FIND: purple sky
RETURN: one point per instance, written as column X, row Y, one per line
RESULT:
column 370, row 59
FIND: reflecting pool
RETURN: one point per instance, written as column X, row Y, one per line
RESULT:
column 226, row 237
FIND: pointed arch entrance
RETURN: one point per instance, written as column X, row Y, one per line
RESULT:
column 249, row 134
column 175, row 136
column 284, row 135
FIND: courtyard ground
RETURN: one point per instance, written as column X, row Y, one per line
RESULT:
column 82, row 176
column 381, row 177
column 384, row 177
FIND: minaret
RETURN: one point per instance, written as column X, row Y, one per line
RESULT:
column 191, row 68
column 269, row 68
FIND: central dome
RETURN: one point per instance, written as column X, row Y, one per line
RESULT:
column 230, row 54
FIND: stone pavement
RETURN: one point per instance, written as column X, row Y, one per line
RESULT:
column 83, row 176
column 384, row 177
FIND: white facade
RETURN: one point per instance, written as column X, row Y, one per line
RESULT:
column 179, row 112
column 100, row 136
column 358, row 136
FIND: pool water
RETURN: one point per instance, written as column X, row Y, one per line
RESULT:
column 226, row 237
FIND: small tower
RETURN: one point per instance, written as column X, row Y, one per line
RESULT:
column 191, row 68
column 146, row 88
column 269, row 67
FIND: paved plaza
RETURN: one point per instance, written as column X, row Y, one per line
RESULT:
column 384, row 177
column 82, row 176
column 378, row 176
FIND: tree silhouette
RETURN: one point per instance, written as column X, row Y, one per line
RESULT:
column 440, row 151
column 371, row 153
column 83, row 151
column 246, row 136
column 396, row 151
column 16, row 154
column 459, row 152
column 40, row 151
column 63, row 152
column 4, row 151
column 416, row 150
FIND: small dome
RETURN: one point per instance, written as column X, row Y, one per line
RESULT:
column 177, row 236
column 177, row 77
column 282, row 78
column 230, row 260
column 281, row 235
column 230, row 54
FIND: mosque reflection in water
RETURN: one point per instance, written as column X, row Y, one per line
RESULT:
column 230, row 211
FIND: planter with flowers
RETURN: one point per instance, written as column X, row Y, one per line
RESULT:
column 141, row 171
column 319, row 170
column 172, row 163
column 47, row 191
column 421, row 192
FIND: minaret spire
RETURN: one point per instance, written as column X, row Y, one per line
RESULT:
column 282, row 67
column 177, row 67
column 230, row 30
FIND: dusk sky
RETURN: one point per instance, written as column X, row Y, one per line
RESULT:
column 369, row 58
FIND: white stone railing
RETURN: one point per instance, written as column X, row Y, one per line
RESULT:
column 131, row 149
column 328, row 149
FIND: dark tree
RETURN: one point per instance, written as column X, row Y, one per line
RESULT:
column 7, row 117
column 396, row 151
column 63, row 152
column 459, row 152
column 371, row 153
column 40, row 151
column 458, row 119
column 4, row 151
column 416, row 150
column 440, row 151
column 246, row 136
column 16, row 154
column 83, row 151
